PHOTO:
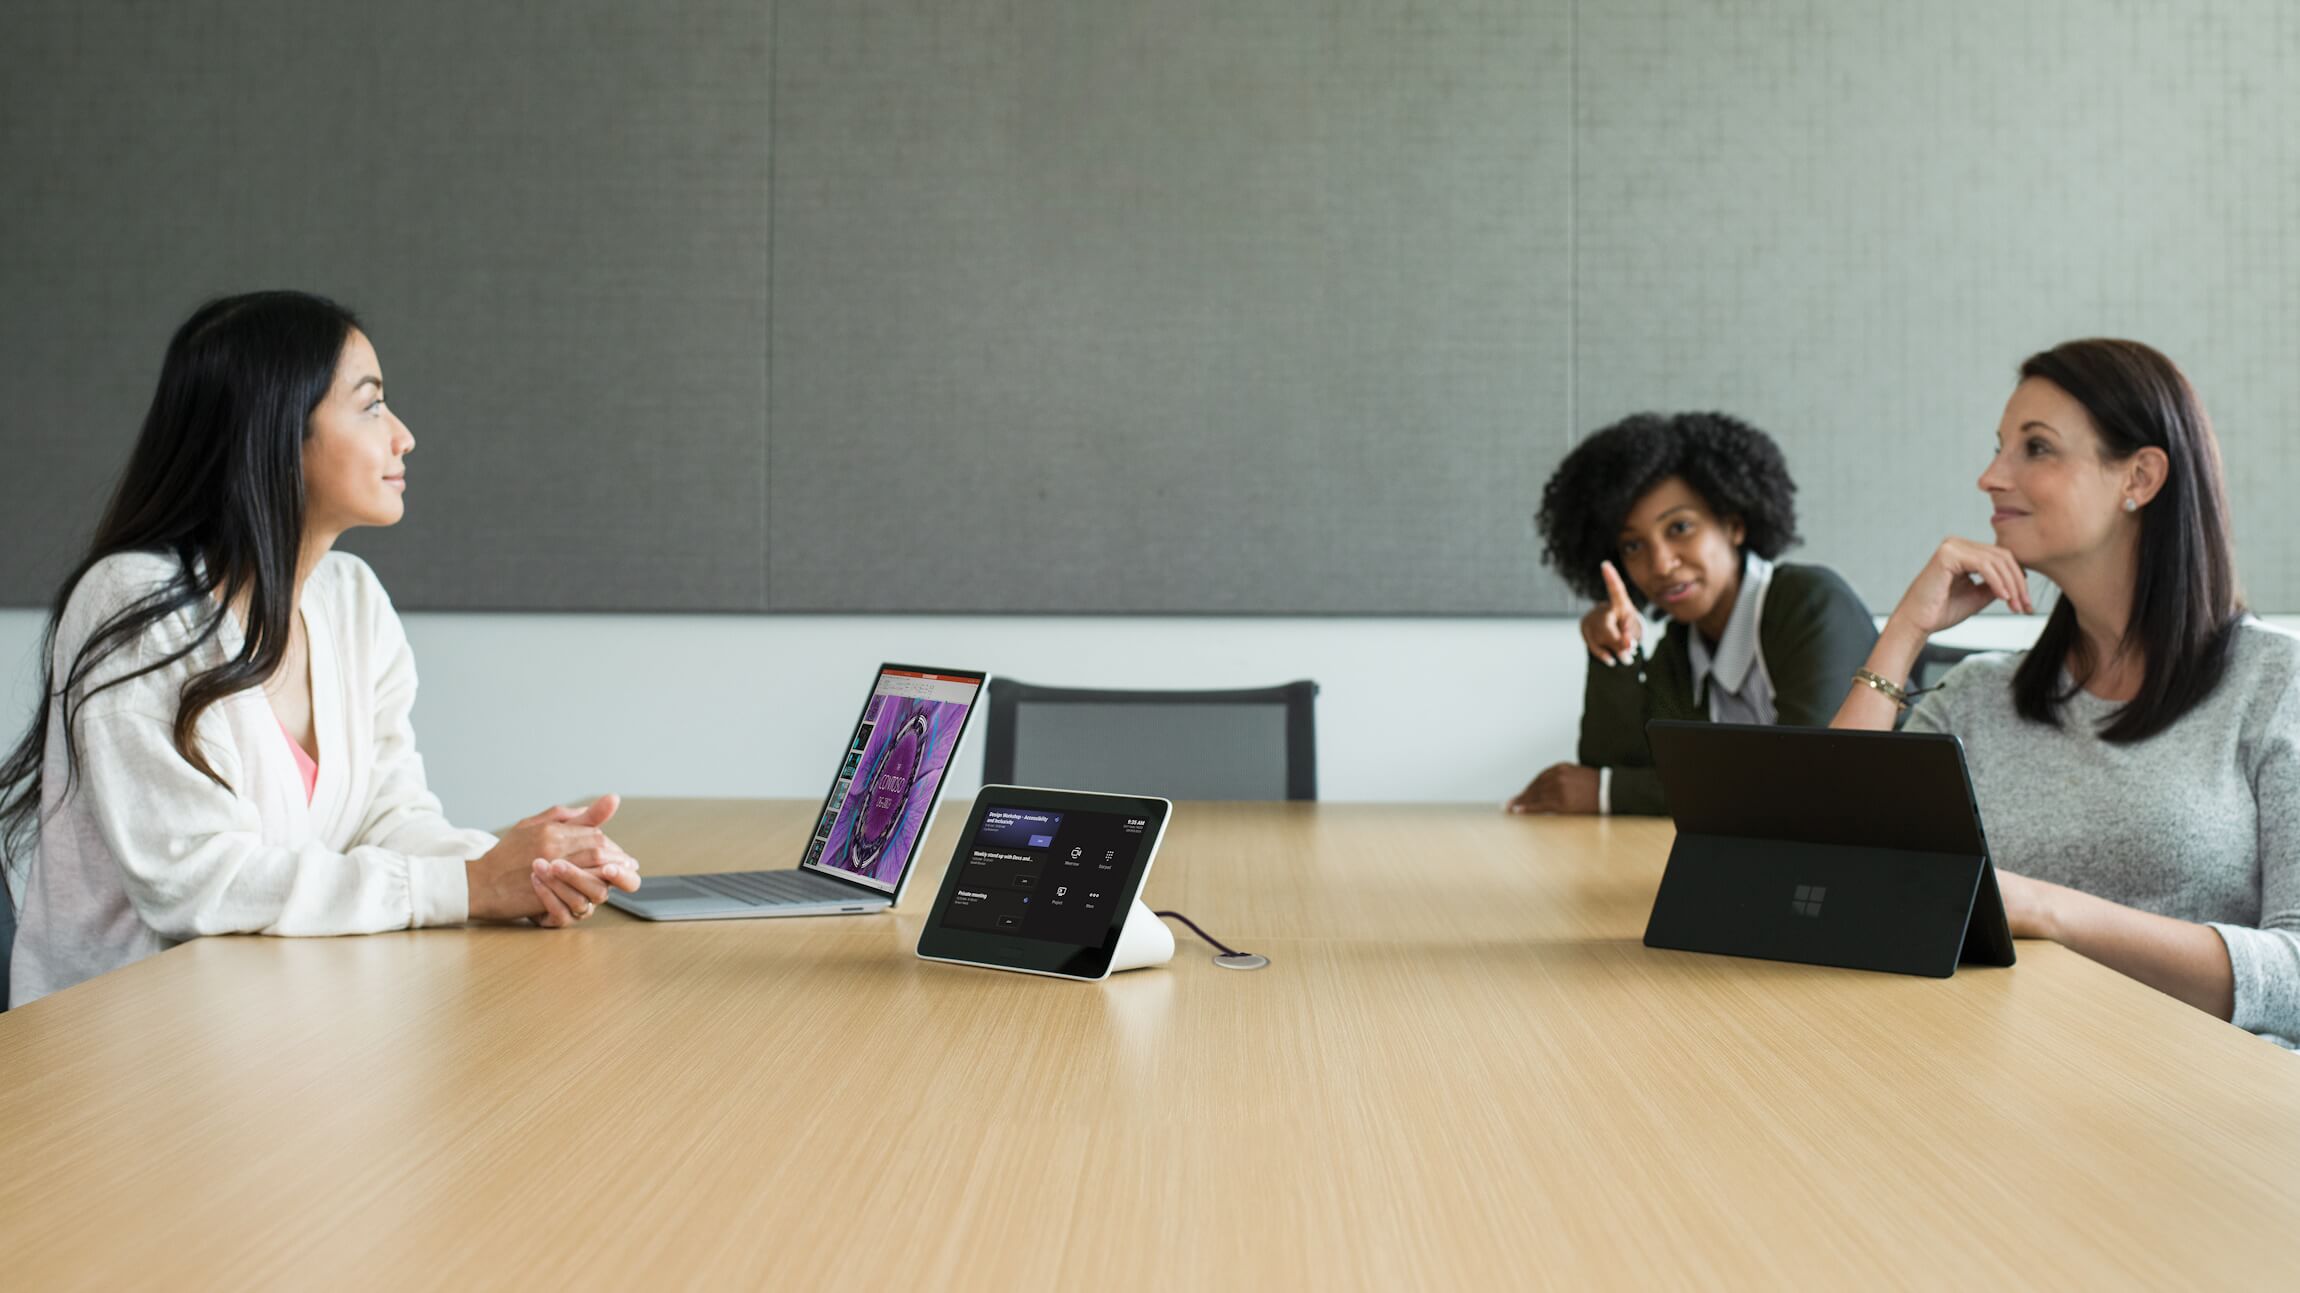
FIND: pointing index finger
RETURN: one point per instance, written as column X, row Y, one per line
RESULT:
column 1616, row 591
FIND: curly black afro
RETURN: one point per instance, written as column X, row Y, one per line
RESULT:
column 1733, row 466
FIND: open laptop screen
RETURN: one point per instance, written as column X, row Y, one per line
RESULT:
column 891, row 773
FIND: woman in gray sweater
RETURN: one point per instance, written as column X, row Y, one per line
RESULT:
column 2138, row 769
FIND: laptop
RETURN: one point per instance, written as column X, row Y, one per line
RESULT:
column 881, row 804
column 1855, row 849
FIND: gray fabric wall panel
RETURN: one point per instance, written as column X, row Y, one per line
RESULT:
column 555, row 221
column 1261, row 306
column 1208, row 306
column 1851, row 221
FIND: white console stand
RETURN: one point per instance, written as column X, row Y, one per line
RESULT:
column 1145, row 941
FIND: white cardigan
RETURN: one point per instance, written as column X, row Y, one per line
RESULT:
column 146, row 852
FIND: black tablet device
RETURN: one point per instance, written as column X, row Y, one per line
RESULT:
column 1042, row 880
column 1855, row 849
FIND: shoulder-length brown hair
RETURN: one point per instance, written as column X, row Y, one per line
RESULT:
column 2185, row 602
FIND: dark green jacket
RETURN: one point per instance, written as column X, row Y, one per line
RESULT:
column 1814, row 634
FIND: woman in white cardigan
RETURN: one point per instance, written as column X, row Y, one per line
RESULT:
column 225, row 745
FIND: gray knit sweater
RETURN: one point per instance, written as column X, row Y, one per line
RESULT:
column 2200, row 822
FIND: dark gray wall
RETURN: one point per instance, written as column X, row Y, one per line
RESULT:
column 1206, row 305
column 554, row 218
column 1035, row 305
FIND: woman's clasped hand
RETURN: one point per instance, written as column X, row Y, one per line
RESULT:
column 553, row 868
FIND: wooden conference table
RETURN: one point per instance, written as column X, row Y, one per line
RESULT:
column 1462, row 1069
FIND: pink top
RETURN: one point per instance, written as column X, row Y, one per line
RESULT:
column 304, row 763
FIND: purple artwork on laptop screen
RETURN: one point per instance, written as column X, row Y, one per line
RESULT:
column 910, row 745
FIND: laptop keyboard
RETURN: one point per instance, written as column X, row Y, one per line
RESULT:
column 771, row 888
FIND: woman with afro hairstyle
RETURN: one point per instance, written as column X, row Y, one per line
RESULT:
column 1687, row 513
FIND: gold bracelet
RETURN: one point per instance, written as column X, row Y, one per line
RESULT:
column 1890, row 689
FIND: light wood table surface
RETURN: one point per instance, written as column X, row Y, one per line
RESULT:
column 1461, row 1070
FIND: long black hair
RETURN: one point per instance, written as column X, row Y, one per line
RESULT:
column 216, row 482
column 1735, row 468
column 2185, row 603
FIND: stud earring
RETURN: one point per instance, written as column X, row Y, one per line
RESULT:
column 2131, row 505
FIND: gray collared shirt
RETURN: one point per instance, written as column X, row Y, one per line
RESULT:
column 1733, row 677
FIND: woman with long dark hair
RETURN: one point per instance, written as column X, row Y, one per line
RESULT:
column 2138, row 769
column 224, row 744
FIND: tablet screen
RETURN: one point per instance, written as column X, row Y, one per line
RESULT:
column 891, row 774
column 1054, row 875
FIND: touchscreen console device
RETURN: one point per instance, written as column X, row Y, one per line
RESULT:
column 882, row 800
column 1044, row 881
column 1854, row 849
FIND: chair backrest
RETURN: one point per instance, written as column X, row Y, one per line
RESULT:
column 1256, row 743
column 1934, row 663
column 7, row 938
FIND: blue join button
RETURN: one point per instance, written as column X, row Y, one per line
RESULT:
column 1041, row 841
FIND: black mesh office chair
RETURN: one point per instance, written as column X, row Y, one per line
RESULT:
column 1257, row 743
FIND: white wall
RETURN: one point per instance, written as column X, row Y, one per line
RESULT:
column 518, row 711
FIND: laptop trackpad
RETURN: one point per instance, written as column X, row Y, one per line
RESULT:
column 671, row 888
column 671, row 896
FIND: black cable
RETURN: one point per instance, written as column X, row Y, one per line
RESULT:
column 1217, row 943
